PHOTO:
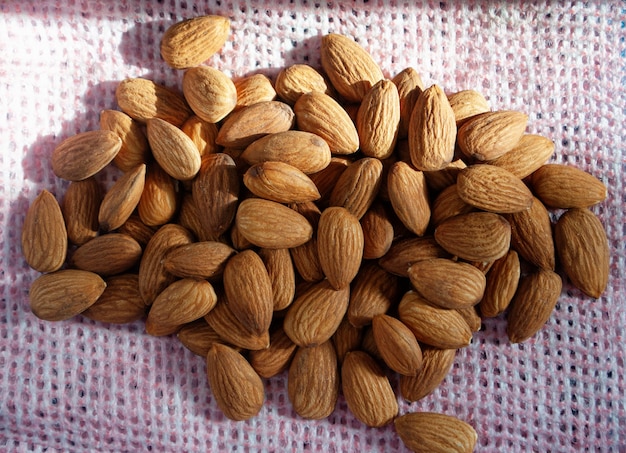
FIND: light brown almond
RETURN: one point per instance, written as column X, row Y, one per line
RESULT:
column 430, row 432
column 377, row 231
column 378, row 120
column 326, row 179
column 436, row 364
column 63, row 294
column 108, row 254
column 134, row 150
column 530, row 153
column 159, row 200
column 408, row 195
column 254, row 89
column 471, row 317
column 439, row 180
column 81, row 204
column 563, row 187
column 44, row 236
column 175, row 152
column 137, row 230
column 358, row 186
column 206, row 259
column 397, row 345
column 280, row 182
column 467, row 104
column 202, row 133
column 502, row 281
column 282, row 276
column 211, row 94
column 276, row 358
column 346, row 338
column 198, row 336
column 449, row 204
column 122, row 198
column 295, row 80
column 306, row 257
column 374, row 291
column 120, row 302
column 410, row 86
column 404, row 252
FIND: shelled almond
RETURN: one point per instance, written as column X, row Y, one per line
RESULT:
column 279, row 226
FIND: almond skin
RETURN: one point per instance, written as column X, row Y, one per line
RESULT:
column 449, row 204
column 408, row 195
column 430, row 432
column 206, row 259
column 397, row 345
column 135, row 149
column 532, row 305
column 467, row 104
column 295, row 80
column 276, row 358
column 313, row 381
column 530, row 153
column 282, row 276
column 108, row 254
column 280, row 182
column 237, row 388
column 211, row 94
column 120, row 302
column 410, row 86
column 377, row 231
column 374, row 291
column 202, row 133
column 563, row 187
column 367, row 390
column 122, row 198
column 404, row 252
column 190, row 42
column 326, row 179
column 173, row 150
column 583, row 250
column 254, row 89
column 63, row 294
column 340, row 246
column 502, row 281
column 378, row 120
column 439, row 180
column 198, row 337
column 436, row 364
column 358, row 186
column 346, row 338
column 83, row 155
column 159, row 200
column 137, row 230
column 44, row 236
column 81, row 204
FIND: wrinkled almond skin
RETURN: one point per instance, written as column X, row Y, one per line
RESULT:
column 339, row 245
column 563, row 187
column 532, row 305
column 326, row 179
column 276, row 358
column 137, row 230
column 142, row 99
column 502, row 281
column 120, row 303
column 466, row 104
column 211, row 94
column 378, row 120
column 198, row 337
column 295, row 80
column 449, row 204
column 202, row 133
column 374, row 291
column 85, row 154
column 122, row 198
column 316, row 314
column 44, row 236
column 438, row 327
column 282, row 276
column 237, row 388
column 254, row 89
column 377, row 231
column 190, row 42
column 271, row 225
column 408, row 194
column 306, row 257
column 280, row 182
column 81, row 204
column 313, row 381
column 358, row 185
column 583, row 250
column 397, row 345
column 436, row 364
column 492, row 134
column 346, row 338
column 367, row 390
column 159, row 200
column 410, row 86
column 134, row 150
column 432, row 131
column 175, row 152
column 426, row 432
column 233, row 331
column 530, row 153
column 63, row 294
column 404, row 252
column 108, row 254
column 439, row 180
column 206, row 259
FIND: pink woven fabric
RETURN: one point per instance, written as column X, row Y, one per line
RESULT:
column 79, row 385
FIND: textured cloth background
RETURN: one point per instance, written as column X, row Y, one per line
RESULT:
column 79, row 385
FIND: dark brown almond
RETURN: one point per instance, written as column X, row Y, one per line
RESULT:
column 81, row 204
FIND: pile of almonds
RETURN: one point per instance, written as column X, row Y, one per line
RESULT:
column 327, row 224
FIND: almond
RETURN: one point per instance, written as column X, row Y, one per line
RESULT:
column 175, row 152
column 271, row 225
column 530, row 153
column 198, row 337
column 377, row 231
column 502, row 281
column 237, row 388
column 408, row 195
column 438, row 327
column 410, row 86
column 295, row 80
column 120, row 302
column 404, row 252
column 378, row 120
column 532, row 305
column 448, row 284
column 583, row 250
column 251, row 123
column 467, row 104
column 367, row 390
column 190, row 42
column 81, row 204
column 358, row 186
column 476, row 236
column 63, row 294
column 211, row 94
column 122, row 198
column 134, row 150
column 83, row 155
column 142, row 99
column 202, row 133
column 346, row 338
column 108, row 254
column 449, row 204
column 278, row 181
column 436, row 364
column 326, row 179
column 313, row 381
column 374, row 291
column 44, row 237
column 432, row 130
column 439, row 180
column 432, row 432
column 181, row 302
column 137, row 230
column 282, row 276
column 254, row 89
column 316, row 314
column 276, row 358
column 493, row 189
column 306, row 257
column 471, row 317
column 397, row 345
column 349, row 66
column 159, row 200
column 206, row 259
column 563, row 187
column 492, row 134
column 320, row 114
column 340, row 246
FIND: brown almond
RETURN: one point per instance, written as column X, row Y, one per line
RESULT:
column 320, row 114
column 134, row 150
column 122, row 198
column 202, row 133
column 198, row 336
column 349, row 66
column 374, row 291
column 254, row 89
column 467, row 104
column 377, row 231
column 358, row 186
column 159, row 200
column 439, row 180
column 368, row 344
column 346, row 338
column 108, row 254
column 378, row 120
column 563, row 187
column 313, row 381
column 404, row 252
column 530, row 153
column 295, row 80
column 432, row 130
column 282, row 276
column 211, row 94
column 449, row 204
column 493, row 189
column 120, row 303
column 583, row 250
column 137, row 230
column 397, row 345
column 448, row 284
column 436, row 364
column 175, row 152
column 502, row 281
column 63, row 294
column 532, row 305
column 237, row 388
column 367, row 390
column 190, row 42
column 44, row 236
column 81, row 204
column 85, row 154
column 438, row 327
column 306, row 257
column 410, row 86
column 433, row 432
column 326, row 179
column 206, row 259
column 276, row 358
column 492, row 134
column 476, row 236
column 408, row 195
column 280, row 182
column 142, row 99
